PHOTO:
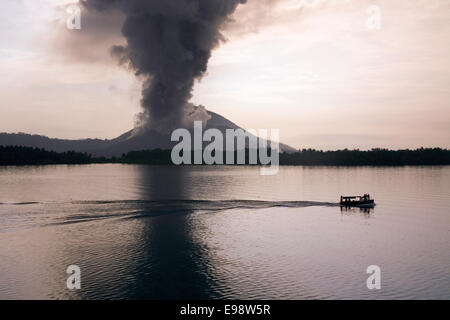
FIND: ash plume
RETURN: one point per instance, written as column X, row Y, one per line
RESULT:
column 169, row 43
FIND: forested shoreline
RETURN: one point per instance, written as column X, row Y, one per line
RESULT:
column 18, row 155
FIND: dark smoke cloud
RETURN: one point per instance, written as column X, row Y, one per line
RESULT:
column 169, row 43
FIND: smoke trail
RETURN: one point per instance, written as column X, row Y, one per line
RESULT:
column 169, row 43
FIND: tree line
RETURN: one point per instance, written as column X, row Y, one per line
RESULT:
column 17, row 155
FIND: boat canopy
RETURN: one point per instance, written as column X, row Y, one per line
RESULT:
column 350, row 198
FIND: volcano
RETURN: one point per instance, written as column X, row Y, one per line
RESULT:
column 129, row 141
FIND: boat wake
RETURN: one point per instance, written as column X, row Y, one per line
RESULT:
column 40, row 214
column 191, row 204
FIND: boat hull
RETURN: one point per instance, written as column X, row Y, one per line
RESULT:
column 360, row 204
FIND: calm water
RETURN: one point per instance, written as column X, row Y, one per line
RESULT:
column 222, row 232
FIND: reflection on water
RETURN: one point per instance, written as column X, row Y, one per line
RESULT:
column 144, row 232
column 170, row 263
column 367, row 212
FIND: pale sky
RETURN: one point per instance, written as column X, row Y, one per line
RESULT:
column 313, row 69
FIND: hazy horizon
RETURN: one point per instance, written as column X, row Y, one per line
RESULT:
column 316, row 72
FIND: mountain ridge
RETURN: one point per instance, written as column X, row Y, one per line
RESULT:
column 126, row 142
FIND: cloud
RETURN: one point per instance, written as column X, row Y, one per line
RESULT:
column 92, row 43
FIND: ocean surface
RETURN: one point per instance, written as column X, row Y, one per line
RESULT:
column 149, row 232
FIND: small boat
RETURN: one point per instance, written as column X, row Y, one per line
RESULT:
column 357, row 201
